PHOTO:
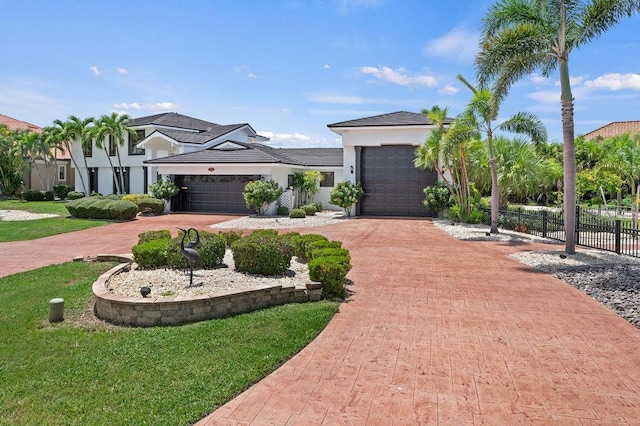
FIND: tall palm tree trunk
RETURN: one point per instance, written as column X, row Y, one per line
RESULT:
column 75, row 165
column 120, row 172
column 569, row 152
column 113, row 170
column 495, row 190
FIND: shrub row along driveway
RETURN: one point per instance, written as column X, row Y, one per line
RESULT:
column 437, row 331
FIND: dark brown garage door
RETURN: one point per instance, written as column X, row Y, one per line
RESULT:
column 212, row 194
column 392, row 185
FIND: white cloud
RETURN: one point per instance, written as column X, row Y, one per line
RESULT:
column 133, row 105
column 161, row 107
column 95, row 70
column 574, row 80
column 285, row 111
column 615, row 81
column 538, row 79
column 240, row 68
column 122, row 70
column 285, row 137
column 458, row 44
column 251, row 75
column 448, row 89
column 346, row 6
column 326, row 66
column 399, row 76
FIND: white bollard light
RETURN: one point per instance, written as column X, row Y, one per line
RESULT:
column 56, row 310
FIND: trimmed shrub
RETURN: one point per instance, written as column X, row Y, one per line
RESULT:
column 331, row 272
column 330, row 252
column 263, row 252
column 134, row 198
column 113, row 197
column 150, row 254
column 211, row 251
column 33, row 195
column 74, row 195
column 61, row 191
column 345, row 195
column 297, row 214
column 230, row 236
column 49, row 196
column 150, row 205
column 318, row 206
column 282, row 211
column 303, row 245
column 309, row 209
column 102, row 208
column 154, row 235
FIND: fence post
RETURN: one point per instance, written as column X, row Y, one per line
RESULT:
column 544, row 224
column 577, row 230
column 618, row 242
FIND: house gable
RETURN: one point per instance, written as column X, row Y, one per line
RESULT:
column 615, row 128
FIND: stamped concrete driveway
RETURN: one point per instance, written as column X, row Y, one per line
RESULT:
column 446, row 332
column 436, row 331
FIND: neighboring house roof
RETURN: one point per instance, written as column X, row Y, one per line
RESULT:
column 173, row 119
column 202, row 137
column 251, row 153
column 400, row 118
column 14, row 124
column 615, row 128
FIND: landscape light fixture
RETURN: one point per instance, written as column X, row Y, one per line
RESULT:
column 144, row 291
column 351, row 169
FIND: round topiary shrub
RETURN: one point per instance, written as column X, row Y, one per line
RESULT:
column 309, row 209
column 230, row 236
column 297, row 214
column 331, row 271
column 74, row 195
column 121, row 210
column 102, row 208
column 282, row 211
column 61, row 191
column 33, row 195
column 49, row 196
column 318, row 206
column 262, row 252
column 150, row 254
column 300, row 242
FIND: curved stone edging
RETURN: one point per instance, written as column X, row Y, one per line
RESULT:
column 145, row 312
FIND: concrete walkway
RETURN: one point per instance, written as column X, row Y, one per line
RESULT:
column 437, row 331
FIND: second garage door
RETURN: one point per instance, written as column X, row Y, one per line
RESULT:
column 213, row 194
column 392, row 185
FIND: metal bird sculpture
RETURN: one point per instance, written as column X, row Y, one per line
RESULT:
column 192, row 256
column 192, row 244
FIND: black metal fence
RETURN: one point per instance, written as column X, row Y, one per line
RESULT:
column 592, row 229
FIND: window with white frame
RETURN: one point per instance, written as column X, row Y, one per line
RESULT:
column 62, row 173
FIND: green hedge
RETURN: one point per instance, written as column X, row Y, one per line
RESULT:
column 282, row 211
column 331, row 271
column 318, row 206
column 230, row 236
column 154, row 235
column 61, row 191
column 263, row 252
column 297, row 214
column 150, row 205
column 74, row 195
column 150, row 254
column 309, row 209
column 33, row 195
column 102, row 208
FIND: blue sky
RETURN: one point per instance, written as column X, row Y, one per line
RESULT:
column 286, row 67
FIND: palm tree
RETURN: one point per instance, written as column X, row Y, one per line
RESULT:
column 98, row 135
column 522, row 36
column 63, row 133
column 482, row 111
column 115, row 127
column 30, row 146
column 79, row 130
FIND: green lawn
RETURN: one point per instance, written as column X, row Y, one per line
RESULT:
column 70, row 373
column 32, row 229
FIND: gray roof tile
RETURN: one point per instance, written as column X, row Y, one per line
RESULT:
column 400, row 118
column 173, row 119
column 258, row 153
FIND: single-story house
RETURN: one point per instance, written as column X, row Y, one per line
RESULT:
column 58, row 172
column 615, row 128
column 211, row 163
column 379, row 153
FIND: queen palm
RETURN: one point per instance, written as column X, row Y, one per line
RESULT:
column 62, row 134
column 97, row 134
column 115, row 127
column 522, row 36
column 78, row 129
column 482, row 111
column 31, row 146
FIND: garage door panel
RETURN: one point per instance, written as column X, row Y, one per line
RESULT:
column 392, row 185
column 213, row 194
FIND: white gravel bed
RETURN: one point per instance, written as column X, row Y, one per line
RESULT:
column 206, row 282
column 16, row 215
column 326, row 217
column 552, row 261
column 466, row 231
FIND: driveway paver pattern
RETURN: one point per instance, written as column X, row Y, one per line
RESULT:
column 436, row 331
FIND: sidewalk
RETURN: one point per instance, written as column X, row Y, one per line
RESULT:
column 442, row 331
